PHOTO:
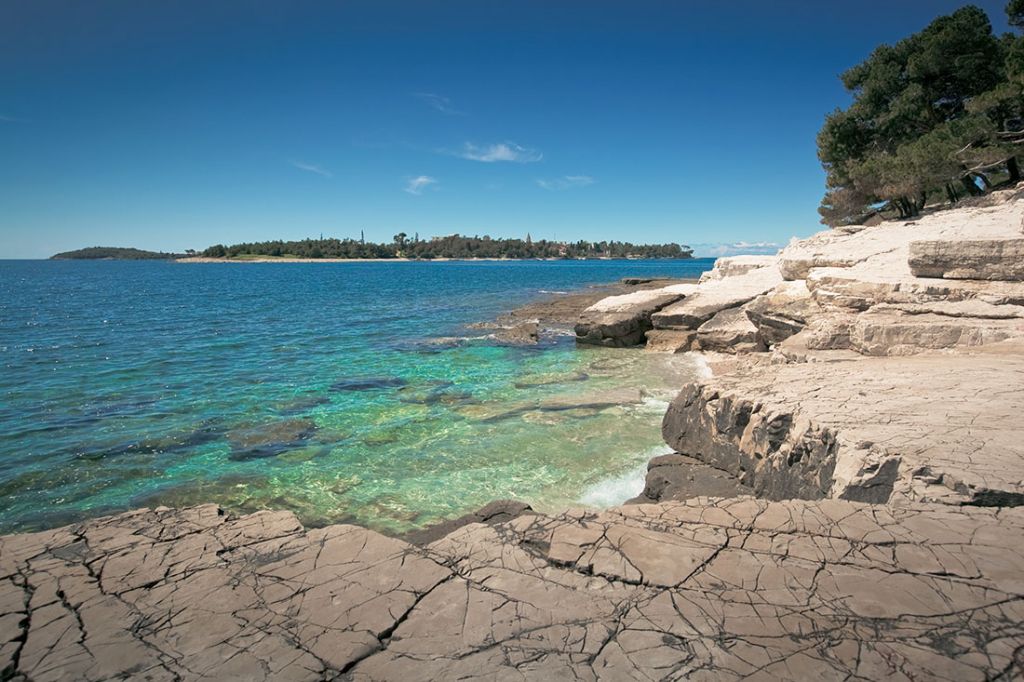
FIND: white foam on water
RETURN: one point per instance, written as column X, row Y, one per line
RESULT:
column 614, row 491
column 654, row 405
column 703, row 368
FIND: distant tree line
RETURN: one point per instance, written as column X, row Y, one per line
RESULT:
column 937, row 117
column 452, row 246
column 113, row 253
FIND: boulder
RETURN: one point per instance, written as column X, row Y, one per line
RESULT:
column 622, row 320
column 729, row 331
column 782, row 312
column 714, row 296
column 678, row 477
column 994, row 259
column 522, row 334
column 670, row 340
column 731, row 266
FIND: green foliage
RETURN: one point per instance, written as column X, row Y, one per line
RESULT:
column 1015, row 13
column 930, row 115
column 113, row 253
column 452, row 246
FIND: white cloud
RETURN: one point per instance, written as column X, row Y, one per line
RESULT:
column 566, row 182
column 740, row 248
column 439, row 103
column 502, row 151
column 312, row 168
column 419, row 183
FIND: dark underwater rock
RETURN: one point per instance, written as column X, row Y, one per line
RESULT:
column 368, row 383
column 269, row 439
column 492, row 514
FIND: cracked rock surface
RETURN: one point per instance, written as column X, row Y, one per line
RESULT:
column 936, row 427
column 705, row 589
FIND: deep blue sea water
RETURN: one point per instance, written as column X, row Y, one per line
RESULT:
column 320, row 388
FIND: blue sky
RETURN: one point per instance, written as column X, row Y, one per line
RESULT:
column 174, row 125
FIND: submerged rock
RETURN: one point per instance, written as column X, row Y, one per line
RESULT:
column 491, row 514
column 269, row 439
column 368, row 383
column 207, row 431
column 301, row 404
column 550, row 380
column 441, row 394
column 523, row 333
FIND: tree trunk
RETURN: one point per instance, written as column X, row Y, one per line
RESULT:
column 951, row 193
column 1013, row 169
column 970, row 186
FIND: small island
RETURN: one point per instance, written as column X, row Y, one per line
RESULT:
column 114, row 253
column 451, row 247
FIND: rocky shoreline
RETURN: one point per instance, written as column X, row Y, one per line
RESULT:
column 846, row 501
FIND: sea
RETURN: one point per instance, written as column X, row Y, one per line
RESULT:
column 344, row 392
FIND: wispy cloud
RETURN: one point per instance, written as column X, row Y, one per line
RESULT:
column 419, row 183
column 566, row 182
column 438, row 103
column 312, row 168
column 740, row 248
column 8, row 119
column 502, row 151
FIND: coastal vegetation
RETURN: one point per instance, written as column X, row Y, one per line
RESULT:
column 452, row 246
column 937, row 117
column 113, row 253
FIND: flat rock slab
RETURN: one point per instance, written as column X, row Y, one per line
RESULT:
column 846, row 248
column 716, row 295
column 936, row 427
column 622, row 320
column 997, row 259
column 708, row 590
column 881, row 332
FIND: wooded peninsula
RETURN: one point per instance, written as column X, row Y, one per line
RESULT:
column 451, row 247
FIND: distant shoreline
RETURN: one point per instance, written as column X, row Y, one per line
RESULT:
column 203, row 259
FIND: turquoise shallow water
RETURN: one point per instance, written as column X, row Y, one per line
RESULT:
column 320, row 388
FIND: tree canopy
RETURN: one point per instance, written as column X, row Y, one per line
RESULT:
column 938, row 115
column 113, row 253
column 452, row 246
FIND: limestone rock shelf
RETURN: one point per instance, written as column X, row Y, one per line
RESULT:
column 707, row 590
column 929, row 427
